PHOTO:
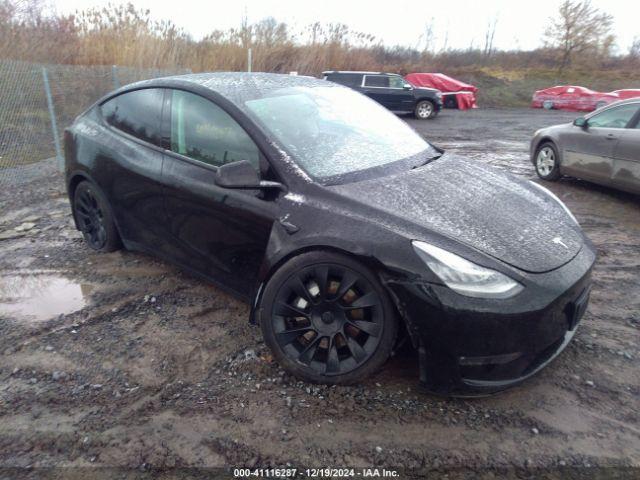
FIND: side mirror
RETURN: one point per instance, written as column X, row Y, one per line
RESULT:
column 241, row 174
column 581, row 122
column 406, row 86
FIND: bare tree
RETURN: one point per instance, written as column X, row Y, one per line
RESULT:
column 445, row 42
column 489, row 35
column 579, row 28
column 634, row 49
column 269, row 33
column 428, row 36
column 245, row 33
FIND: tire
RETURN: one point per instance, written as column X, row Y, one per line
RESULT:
column 547, row 105
column 309, row 323
column 94, row 218
column 600, row 104
column 546, row 162
column 425, row 109
column 450, row 101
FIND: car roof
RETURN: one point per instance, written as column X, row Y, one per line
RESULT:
column 236, row 87
column 627, row 100
column 614, row 104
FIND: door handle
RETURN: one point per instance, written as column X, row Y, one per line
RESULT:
column 611, row 136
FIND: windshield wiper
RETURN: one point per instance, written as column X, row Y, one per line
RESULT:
column 428, row 160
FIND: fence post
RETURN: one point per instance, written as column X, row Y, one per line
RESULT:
column 114, row 76
column 249, row 60
column 52, row 116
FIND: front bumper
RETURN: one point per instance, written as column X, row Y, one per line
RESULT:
column 471, row 346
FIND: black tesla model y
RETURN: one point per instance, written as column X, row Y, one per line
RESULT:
column 338, row 223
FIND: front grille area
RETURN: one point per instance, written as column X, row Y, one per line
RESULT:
column 566, row 319
column 519, row 367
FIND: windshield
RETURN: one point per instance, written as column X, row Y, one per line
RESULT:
column 335, row 131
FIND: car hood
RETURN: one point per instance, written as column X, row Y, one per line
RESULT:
column 425, row 89
column 554, row 129
column 479, row 206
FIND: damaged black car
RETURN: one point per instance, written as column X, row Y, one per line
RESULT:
column 340, row 225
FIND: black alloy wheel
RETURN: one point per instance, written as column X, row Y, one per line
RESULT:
column 94, row 218
column 327, row 320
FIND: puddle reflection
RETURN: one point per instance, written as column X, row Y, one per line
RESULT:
column 38, row 296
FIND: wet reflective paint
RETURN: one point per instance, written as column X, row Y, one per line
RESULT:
column 38, row 296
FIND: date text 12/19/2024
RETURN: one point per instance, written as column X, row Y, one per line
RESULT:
column 315, row 473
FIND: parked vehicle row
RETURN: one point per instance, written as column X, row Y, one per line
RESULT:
column 339, row 224
column 425, row 94
column 576, row 98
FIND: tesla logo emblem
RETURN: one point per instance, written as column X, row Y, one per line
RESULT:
column 559, row 241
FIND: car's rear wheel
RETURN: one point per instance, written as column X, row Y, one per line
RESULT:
column 547, row 164
column 450, row 101
column 327, row 319
column 94, row 218
column 425, row 109
column 547, row 105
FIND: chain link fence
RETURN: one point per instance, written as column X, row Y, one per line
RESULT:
column 37, row 102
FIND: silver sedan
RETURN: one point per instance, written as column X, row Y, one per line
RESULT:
column 602, row 147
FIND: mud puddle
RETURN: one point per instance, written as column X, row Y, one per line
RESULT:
column 36, row 296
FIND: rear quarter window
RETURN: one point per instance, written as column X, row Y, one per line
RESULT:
column 137, row 113
column 376, row 81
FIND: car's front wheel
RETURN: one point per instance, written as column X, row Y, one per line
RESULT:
column 425, row 109
column 94, row 218
column 547, row 164
column 327, row 319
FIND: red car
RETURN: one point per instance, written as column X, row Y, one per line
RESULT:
column 570, row 97
column 455, row 94
column 627, row 93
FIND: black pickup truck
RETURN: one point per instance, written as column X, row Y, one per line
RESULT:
column 392, row 91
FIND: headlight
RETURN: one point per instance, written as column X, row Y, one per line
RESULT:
column 554, row 197
column 465, row 277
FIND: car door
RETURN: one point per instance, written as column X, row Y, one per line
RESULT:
column 128, row 165
column 588, row 152
column 626, row 164
column 401, row 97
column 218, row 232
column 376, row 87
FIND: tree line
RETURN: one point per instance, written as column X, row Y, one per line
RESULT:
column 579, row 35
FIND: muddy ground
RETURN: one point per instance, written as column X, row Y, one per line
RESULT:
column 120, row 360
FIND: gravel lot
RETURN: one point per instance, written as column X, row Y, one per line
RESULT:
column 145, row 367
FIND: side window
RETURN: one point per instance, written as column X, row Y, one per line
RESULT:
column 376, row 81
column 617, row 117
column 347, row 79
column 396, row 82
column 136, row 113
column 203, row 131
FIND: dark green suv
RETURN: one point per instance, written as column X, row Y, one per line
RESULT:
column 392, row 91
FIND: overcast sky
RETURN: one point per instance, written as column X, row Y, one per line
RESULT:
column 520, row 23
